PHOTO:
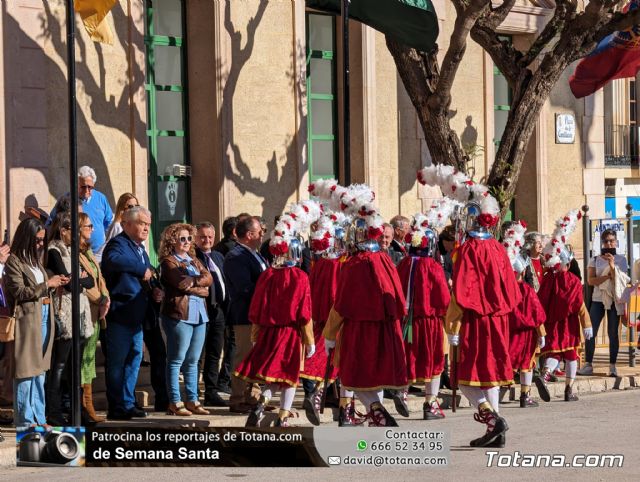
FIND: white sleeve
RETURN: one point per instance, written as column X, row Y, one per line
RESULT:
column 1, row 270
column 592, row 262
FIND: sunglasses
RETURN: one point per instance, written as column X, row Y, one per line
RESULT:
column 186, row 239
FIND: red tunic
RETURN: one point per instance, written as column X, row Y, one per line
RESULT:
column 486, row 289
column 561, row 297
column 425, row 352
column 523, row 324
column 324, row 282
column 371, row 302
column 281, row 306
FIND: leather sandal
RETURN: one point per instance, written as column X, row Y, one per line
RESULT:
column 178, row 409
column 197, row 408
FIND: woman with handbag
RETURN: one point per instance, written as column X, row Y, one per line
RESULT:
column 27, row 289
column 59, row 262
column 99, row 301
column 184, row 314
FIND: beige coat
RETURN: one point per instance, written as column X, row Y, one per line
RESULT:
column 22, row 291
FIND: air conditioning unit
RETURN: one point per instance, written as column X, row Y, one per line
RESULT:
column 179, row 170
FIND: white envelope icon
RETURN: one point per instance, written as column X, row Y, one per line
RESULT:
column 334, row 460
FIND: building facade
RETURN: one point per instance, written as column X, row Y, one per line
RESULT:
column 209, row 108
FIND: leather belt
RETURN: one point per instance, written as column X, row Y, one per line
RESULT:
column 46, row 301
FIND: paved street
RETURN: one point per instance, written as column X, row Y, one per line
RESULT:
column 597, row 424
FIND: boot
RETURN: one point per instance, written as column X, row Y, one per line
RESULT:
column 283, row 418
column 379, row 417
column 541, row 384
column 526, row 401
column 255, row 415
column 569, row 396
column 400, row 401
column 498, row 442
column 431, row 410
column 496, row 426
column 311, row 405
column 347, row 415
column 87, row 404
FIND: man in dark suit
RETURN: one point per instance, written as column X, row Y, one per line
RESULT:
column 385, row 244
column 128, row 274
column 216, row 378
column 228, row 241
column 242, row 267
column 401, row 227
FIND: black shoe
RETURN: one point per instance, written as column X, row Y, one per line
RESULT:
column 388, row 394
column 498, row 442
column 136, row 412
column 346, row 416
column 255, row 415
column 526, row 401
column 543, row 390
column 445, row 381
column 224, row 389
column 310, row 407
column 119, row 415
column 413, row 389
column 499, row 428
column 400, row 403
column 58, row 420
column 569, row 396
column 379, row 417
column 214, row 400
column 432, row 411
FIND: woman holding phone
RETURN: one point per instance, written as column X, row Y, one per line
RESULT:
column 601, row 269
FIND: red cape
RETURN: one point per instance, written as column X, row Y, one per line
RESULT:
column 483, row 280
column 324, row 283
column 560, row 295
column 430, row 293
column 529, row 314
column 369, row 289
column 282, row 297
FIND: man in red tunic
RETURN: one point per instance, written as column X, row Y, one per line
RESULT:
column 365, row 322
column 567, row 316
column 324, row 282
column 526, row 322
column 485, row 292
column 427, row 294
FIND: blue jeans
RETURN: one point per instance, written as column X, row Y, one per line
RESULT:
column 124, row 353
column 29, row 395
column 184, row 347
column 596, row 312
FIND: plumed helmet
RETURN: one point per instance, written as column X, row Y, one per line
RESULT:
column 423, row 242
column 292, row 257
column 358, row 237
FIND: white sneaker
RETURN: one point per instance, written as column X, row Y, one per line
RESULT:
column 587, row 369
column 613, row 372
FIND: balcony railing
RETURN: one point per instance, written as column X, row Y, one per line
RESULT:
column 621, row 146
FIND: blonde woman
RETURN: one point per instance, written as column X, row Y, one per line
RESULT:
column 184, row 314
column 125, row 202
column 99, row 302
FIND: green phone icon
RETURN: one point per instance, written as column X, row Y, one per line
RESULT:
column 362, row 445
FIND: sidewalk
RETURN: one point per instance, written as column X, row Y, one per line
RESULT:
column 628, row 378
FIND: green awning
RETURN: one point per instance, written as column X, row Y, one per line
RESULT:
column 411, row 22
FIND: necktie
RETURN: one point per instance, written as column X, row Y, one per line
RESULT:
column 217, row 288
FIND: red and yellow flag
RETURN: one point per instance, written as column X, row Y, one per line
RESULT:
column 93, row 14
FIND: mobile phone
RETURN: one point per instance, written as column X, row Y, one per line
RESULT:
column 6, row 239
column 608, row 251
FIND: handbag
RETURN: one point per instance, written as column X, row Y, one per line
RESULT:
column 8, row 327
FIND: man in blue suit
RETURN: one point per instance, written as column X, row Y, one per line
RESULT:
column 128, row 274
column 242, row 267
column 219, row 335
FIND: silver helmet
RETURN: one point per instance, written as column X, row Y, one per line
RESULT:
column 293, row 256
column 519, row 264
column 357, row 237
column 428, row 243
column 469, row 216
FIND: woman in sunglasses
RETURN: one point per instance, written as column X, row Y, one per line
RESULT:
column 184, row 314
column 27, row 288
column 125, row 202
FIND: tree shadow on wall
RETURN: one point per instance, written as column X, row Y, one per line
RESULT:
column 279, row 185
column 107, row 113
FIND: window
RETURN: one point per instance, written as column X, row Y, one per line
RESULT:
column 502, row 97
column 621, row 137
column 169, row 186
column 321, row 97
